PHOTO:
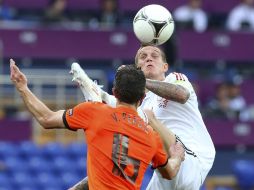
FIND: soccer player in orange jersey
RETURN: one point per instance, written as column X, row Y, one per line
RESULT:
column 120, row 144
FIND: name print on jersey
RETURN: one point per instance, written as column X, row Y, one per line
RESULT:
column 132, row 120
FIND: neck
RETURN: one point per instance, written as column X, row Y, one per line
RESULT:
column 158, row 78
column 132, row 106
column 161, row 78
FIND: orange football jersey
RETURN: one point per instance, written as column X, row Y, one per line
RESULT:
column 120, row 145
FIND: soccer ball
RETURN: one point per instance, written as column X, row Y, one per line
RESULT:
column 153, row 25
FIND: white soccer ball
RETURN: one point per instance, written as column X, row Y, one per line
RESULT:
column 153, row 25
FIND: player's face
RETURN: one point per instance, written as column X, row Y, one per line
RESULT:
column 150, row 61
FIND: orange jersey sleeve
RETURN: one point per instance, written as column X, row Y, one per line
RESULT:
column 80, row 116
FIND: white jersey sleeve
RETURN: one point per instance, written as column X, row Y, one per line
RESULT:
column 108, row 99
column 179, row 79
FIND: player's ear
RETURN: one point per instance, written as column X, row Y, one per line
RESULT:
column 141, row 100
column 165, row 67
column 114, row 91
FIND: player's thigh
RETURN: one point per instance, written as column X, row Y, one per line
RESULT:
column 189, row 175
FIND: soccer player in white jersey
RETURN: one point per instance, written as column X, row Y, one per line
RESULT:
column 174, row 102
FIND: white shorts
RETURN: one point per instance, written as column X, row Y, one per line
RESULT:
column 189, row 177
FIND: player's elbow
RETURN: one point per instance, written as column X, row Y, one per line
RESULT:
column 184, row 97
column 172, row 174
column 169, row 174
column 171, row 169
column 46, row 122
column 174, row 166
column 181, row 96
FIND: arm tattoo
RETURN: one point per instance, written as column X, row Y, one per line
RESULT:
column 82, row 185
column 168, row 91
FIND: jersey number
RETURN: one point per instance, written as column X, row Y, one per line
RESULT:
column 121, row 159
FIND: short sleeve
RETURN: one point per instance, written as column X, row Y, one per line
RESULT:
column 160, row 159
column 80, row 116
column 179, row 79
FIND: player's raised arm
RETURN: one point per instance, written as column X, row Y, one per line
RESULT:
column 91, row 91
column 46, row 117
column 168, row 91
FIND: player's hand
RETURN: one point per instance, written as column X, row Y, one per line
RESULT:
column 176, row 150
column 150, row 115
column 17, row 77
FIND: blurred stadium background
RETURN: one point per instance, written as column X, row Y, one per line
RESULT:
column 219, row 63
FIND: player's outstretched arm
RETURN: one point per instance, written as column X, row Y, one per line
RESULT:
column 108, row 99
column 46, row 117
column 90, row 89
column 168, row 91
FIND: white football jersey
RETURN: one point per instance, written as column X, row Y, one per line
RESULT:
column 185, row 121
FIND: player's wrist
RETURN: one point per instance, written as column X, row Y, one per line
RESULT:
column 23, row 89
